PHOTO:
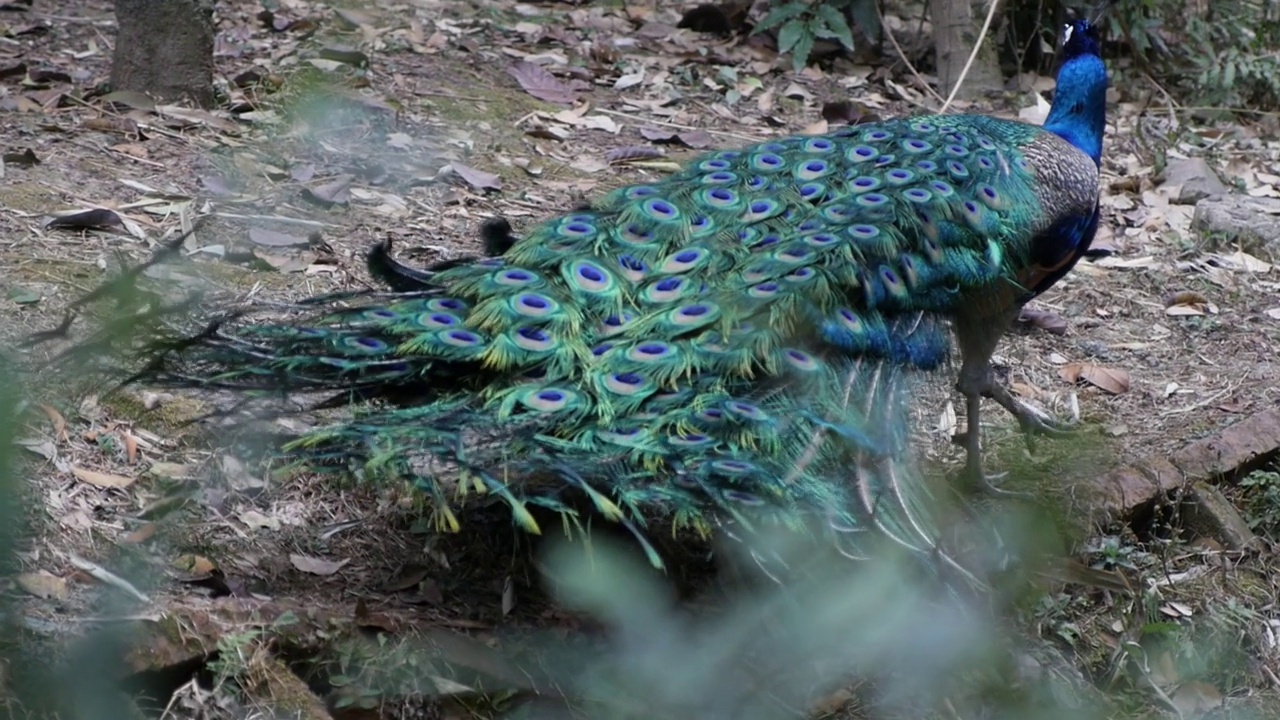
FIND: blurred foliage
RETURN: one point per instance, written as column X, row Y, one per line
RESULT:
column 1209, row 54
column 1219, row 54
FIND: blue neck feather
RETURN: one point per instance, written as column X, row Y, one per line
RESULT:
column 1079, row 112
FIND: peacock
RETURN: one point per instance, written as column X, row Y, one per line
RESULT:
column 729, row 347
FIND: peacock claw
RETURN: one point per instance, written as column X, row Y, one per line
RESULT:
column 1033, row 422
column 990, row 484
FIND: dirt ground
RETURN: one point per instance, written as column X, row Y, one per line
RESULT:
column 333, row 156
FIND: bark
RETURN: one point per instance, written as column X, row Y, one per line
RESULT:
column 955, row 30
column 164, row 48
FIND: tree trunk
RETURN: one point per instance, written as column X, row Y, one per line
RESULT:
column 867, row 34
column 165, row 48
column 955, row 30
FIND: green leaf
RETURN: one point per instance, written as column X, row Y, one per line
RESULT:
column 818, row 28
column 836, row 23
column 780, row 14
column 800, row 53
column 790, row 35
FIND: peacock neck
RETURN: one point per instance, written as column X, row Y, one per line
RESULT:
column 1079, row 112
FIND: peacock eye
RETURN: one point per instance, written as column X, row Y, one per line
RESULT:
column 1066, row 33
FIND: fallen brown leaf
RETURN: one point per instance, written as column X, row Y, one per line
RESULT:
column 1050, row 322
column 541, row 84
column 43, row 585
column 1113, row 380
column 316, row 566
column 141, row 535
column 59, row 422
column 632, row 152
column 478, row 179
column 130, row 447
column 101, row 479
column 194, row 564
column 1024, row 390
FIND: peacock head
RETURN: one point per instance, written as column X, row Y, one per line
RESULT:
column 1078, row 114
column 1080, row 37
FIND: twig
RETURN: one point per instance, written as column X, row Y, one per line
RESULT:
column 112, row 152
column 902, row 55
column 106, row 576
column 973, row 54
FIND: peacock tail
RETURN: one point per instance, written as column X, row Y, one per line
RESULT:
column 733, row 343
column 727, row 341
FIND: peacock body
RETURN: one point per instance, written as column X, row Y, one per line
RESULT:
column 731, row 344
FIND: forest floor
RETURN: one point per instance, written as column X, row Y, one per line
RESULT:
column 417, row 121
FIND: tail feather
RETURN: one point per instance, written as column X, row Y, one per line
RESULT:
column 805, row 440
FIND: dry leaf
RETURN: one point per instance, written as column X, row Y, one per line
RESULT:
column 141, row 535
column 43, row 585
column 1024, row 390
column 632, row 152
column 541, row 84
column 59, row 423
column 44, row 448
column 316, row 566
column 101, row 479
column 1241, row 260
column 171, row 471
column 1112, row 380
column 1184, row 297
column 477, row 179
column 1050, row 322
column 257, row 520
column 194, row 564
column 1187, row 302
column 337, row 192
column 130, row 447
column 271, row 238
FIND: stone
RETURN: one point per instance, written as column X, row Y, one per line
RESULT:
column 1252, row 224
column 1196, row 180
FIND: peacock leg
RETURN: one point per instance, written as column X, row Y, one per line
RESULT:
column 975, row 382
column 977, row 336
column 977, row 343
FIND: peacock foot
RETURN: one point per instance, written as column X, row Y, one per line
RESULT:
column 975, row 477
column 1032, row 420
column 974, row 386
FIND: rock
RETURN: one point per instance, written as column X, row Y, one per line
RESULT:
column 1197, row 180
column 1211, row 515
column 1253, row 224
